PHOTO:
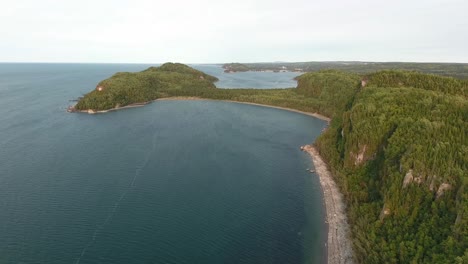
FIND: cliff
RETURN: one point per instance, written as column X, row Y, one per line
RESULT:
column 399, row 153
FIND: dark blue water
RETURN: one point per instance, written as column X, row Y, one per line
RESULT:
column 171, row 182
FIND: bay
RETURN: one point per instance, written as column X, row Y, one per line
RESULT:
column 171, row 182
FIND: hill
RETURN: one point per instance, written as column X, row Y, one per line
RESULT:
column 400, row 154
column 125, row 88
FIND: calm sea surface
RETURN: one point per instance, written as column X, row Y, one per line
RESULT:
column 259, row 80
column 171, row 182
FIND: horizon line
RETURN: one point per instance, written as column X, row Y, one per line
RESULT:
column 207, row 63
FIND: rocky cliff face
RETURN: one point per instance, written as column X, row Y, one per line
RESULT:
column 401, row 155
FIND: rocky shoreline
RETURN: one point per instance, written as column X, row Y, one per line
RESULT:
column 71, row 109
column 339, row 242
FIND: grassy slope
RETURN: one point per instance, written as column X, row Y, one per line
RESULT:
column 400, row 122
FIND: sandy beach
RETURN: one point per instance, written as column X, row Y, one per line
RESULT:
column 180, row 98
column 317, row 115
column 339, row 243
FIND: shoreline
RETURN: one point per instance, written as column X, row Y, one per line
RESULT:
column 316, row 115
column 181, row 98
column 338, row 246
column 91, row 112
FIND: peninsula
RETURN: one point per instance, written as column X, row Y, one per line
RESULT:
column 125, row 89
column 396, row 146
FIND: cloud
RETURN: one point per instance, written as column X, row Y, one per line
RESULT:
column 220, row 31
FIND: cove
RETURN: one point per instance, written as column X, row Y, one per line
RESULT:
column 171, row 182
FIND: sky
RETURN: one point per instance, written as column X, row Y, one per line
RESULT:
column 217, row 31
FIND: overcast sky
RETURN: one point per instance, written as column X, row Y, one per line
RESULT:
column 211, row 31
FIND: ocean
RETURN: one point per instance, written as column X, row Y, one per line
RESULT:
column 170, row 182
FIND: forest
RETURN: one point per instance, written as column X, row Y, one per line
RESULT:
column 125, row 88
column 400, row 156
column 397, row 146
column 457, row 70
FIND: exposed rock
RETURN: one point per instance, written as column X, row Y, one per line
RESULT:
column 409, row 178
column 364, row 82
column 91, row 111
column 71, row 109
column 431, row 186
column 442, row 189
column 359, row 158
column 385, row 212
column 307, row 148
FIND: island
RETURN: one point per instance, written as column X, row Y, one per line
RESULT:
column 235, row 67
column 395, row 151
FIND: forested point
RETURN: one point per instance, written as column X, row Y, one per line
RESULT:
column 125, row 88
column 397, row 146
